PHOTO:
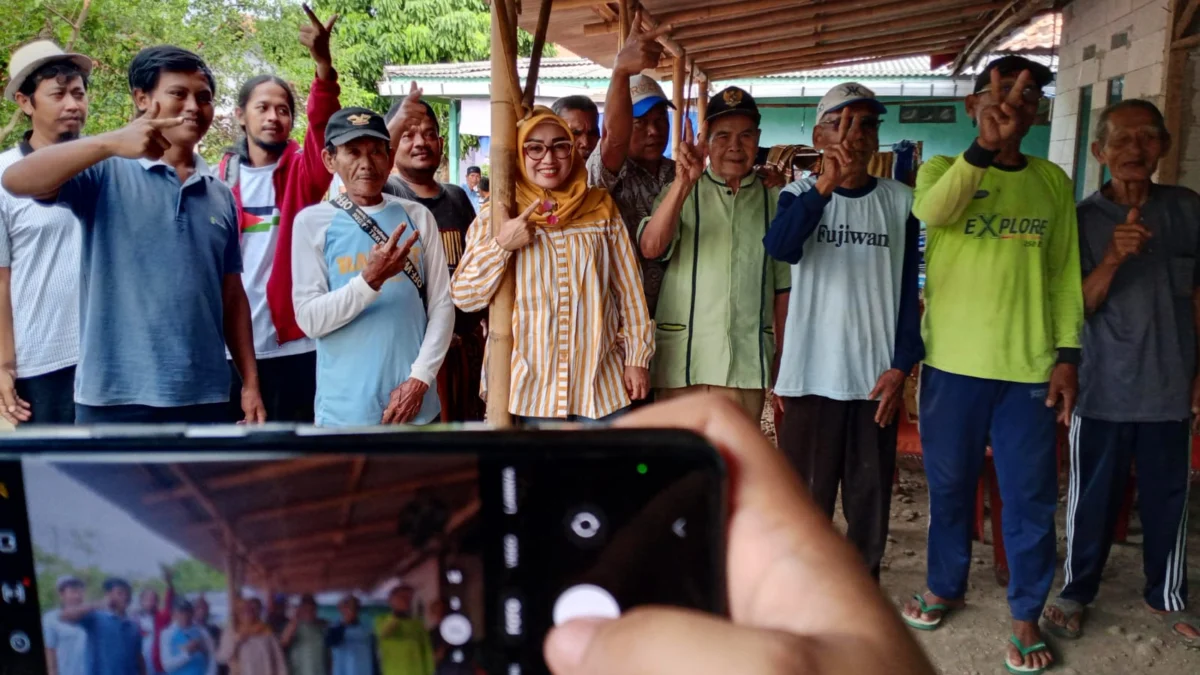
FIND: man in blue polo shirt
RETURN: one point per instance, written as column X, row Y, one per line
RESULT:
column 161, row 291
column 114, row 641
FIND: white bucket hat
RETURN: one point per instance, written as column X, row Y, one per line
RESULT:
column 29, row 57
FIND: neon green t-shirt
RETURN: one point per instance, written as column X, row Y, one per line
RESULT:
column 1003, row 290
column 405, row 649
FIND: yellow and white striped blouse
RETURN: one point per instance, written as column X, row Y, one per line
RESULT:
column 580, row 314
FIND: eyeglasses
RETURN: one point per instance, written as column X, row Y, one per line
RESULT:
column 1029, row 94
column 864, row 123
column 535, row 150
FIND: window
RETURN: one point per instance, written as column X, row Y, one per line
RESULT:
column 1083, row 133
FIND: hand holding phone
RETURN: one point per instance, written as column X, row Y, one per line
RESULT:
column 800, row 598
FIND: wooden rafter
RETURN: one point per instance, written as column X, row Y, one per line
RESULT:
column 375, row 527
column 782, row 39
column 775, row 67
column 731, row 9
column 772, row 18
column 1174, row 77
column 394, row 490
column 1002, row 24
column 262, row 472
column 353, row 483
column 853, row 47
column 226, row 535
column 1184, row 20
column 895, row 16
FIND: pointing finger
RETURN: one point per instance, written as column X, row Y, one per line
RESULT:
column 394, row 237
column 656, row 32
column 1018, row 91
column 635, row 27
column 1134, row 216
column 995, row 85
column 412, row 241
column 166, row 122
column 332, row 20
column 855, row 125
column 529, row 210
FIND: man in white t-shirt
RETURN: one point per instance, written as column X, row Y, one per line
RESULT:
column 273, row 178
column 66, row 643
column 853, row 328
column 39, row 247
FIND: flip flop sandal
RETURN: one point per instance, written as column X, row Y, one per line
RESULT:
column 1025, row 651
column 1191, row 620
column 922, row 624
column 1069, row 609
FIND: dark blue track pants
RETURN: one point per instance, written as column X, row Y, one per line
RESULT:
column 1101, row 455
column 959, row 416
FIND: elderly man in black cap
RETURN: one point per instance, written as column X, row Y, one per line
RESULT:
column 724, row 301
column 1003, row 312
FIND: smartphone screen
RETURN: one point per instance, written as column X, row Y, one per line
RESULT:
column 407, row 551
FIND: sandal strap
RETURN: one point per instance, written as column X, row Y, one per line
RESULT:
column 1026, row 651
column 925, row 609
column 1186, row 618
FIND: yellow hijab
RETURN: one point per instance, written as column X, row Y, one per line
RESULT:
column 573, row 199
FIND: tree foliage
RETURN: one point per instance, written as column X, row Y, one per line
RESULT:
column 242, row 38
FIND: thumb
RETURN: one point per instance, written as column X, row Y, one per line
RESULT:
column 670, row 642
column 877, row 391
column 1052, row 396
column 1134, row 216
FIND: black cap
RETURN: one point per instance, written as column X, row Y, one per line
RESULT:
column 1011, row 66
column 473, row 169
column 348, row 124
column 182, row 605
column 733, row 100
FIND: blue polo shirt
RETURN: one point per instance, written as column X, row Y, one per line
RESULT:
column 155, row 252
column 114, row 644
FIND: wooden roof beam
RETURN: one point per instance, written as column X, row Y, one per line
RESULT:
column 262, row 472
column 376, row 527
column 785, row 37
column 789, row 65
column 773, row 18
column 730, row 9
column 1013, row 14
column 227, row 534
column 910, row 38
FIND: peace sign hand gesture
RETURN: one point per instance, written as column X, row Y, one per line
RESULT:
column 641, row 50
column 386, row 260
column 143, row 137
column 837, row 157
column 999, row 122
column 692, row 156
column 315, row 36
column 518, row 232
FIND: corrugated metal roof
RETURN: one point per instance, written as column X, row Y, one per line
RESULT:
column 583, row 69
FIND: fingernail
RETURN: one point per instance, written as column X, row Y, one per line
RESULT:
column 568, row 643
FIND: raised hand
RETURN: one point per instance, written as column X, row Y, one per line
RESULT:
column 411, row 114
column 1128, row 240
column 837, row 156
column 692, row 156
column 315, row 36
column 641, row 50
column 387, row 259
column 143, row 137
column 999, row 122
column 517, row 233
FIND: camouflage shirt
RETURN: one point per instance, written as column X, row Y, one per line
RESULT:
column 634, row 189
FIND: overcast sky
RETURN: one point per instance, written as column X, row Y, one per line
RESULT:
column 60, row 507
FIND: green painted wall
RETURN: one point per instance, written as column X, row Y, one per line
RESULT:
column 790, row 126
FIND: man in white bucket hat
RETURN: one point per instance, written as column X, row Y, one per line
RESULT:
column 39, row 246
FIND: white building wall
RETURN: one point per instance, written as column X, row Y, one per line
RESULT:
column 1093, row 23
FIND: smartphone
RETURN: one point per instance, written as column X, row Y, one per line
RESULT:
column 463, row 547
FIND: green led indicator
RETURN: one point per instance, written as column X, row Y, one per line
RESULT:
column 642, row 469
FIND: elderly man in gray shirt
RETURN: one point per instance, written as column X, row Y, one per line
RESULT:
column 1138, row 250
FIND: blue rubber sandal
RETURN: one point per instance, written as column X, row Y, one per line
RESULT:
column 921, row 624
column 1025, row 651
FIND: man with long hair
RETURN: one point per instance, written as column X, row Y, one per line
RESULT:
column 273, row 178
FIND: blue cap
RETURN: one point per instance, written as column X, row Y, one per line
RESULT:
column 645, row 93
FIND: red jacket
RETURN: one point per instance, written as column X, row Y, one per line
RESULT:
column 301, row 180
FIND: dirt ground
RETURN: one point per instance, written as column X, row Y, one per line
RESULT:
column 1120, row 636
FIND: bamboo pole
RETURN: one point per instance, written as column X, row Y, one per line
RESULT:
column 742, row 8
column 503, row 165
column 701, row 108
column 677, row 94
column 754, row 21
column 624, row 20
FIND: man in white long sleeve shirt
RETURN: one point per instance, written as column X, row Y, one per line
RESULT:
column 371, row 286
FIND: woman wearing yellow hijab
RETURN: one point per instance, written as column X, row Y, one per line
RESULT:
column 582, row 333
